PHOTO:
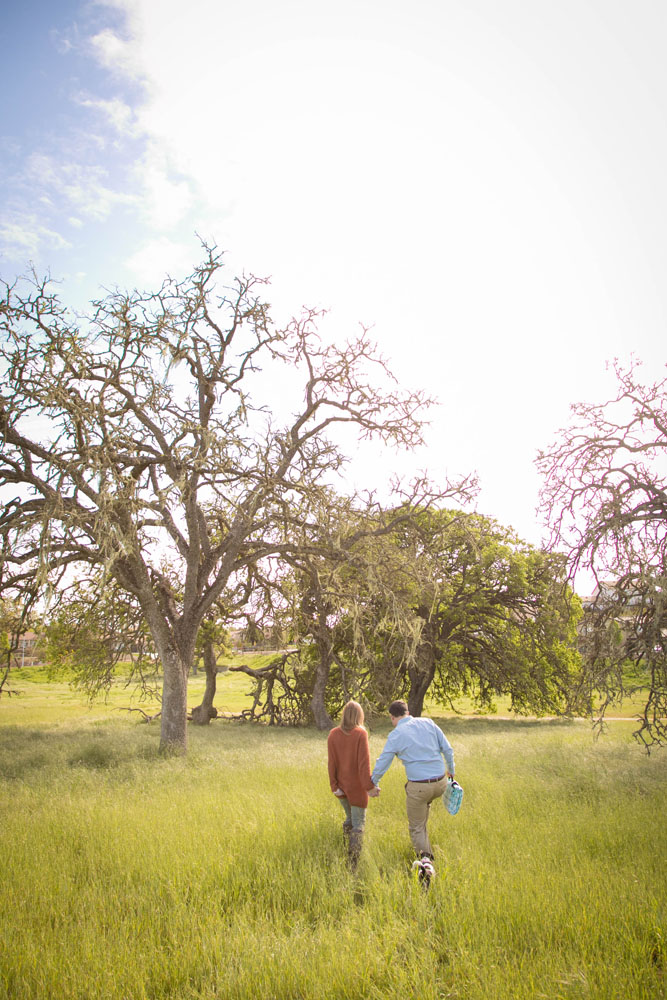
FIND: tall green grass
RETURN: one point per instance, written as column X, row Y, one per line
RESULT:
column 126, row 875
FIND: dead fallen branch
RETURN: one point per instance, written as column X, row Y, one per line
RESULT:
column 146, row 716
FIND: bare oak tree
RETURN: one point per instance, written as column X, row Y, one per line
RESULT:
column 129, row 439
column 605, row 498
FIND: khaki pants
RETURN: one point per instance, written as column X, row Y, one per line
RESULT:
column 418, row 796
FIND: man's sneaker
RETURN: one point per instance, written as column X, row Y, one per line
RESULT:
column 423, row 870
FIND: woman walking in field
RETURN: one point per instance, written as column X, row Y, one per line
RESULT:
column 350, row 775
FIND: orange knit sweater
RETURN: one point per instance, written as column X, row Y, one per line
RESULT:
column 350, row 764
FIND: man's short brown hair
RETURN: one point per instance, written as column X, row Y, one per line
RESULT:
column 398, row 709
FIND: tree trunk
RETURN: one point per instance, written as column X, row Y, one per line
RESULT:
column 173, row 731
column 202, row 714
column 317, row 706
column 421, row 676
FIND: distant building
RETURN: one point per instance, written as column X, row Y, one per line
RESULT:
column 607, row 595
column 639, row 620
column 27, row 652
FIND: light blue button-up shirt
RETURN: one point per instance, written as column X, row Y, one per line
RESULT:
column 420, row 745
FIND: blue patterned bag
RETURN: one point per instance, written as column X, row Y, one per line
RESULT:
column 452, row 796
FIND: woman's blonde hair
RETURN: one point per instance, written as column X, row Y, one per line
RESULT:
column 353, row 715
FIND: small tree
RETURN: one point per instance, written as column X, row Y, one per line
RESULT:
column 605, row 499
column 213, row 640
column 132, row 433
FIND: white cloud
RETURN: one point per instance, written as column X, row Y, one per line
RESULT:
column 28, row 238
column 115, row 111
column 115, row 53
column 41, row 170
column 82, row 187
column 63, row 44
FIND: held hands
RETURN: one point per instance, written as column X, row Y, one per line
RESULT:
column 373, row 792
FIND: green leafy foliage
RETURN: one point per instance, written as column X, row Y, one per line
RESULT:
column 94, row 628
column 447, row 604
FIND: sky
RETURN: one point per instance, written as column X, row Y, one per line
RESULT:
column 481, row 183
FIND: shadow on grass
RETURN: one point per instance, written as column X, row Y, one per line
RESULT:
column 489, row 724
column 25, row 751
column 486, row 725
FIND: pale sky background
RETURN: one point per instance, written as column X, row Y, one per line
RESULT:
column 482, row 181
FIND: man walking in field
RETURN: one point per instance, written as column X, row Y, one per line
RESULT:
column 420, row 745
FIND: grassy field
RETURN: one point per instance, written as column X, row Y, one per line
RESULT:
column 41, row 699
column 38, row 699
column 126, row 875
